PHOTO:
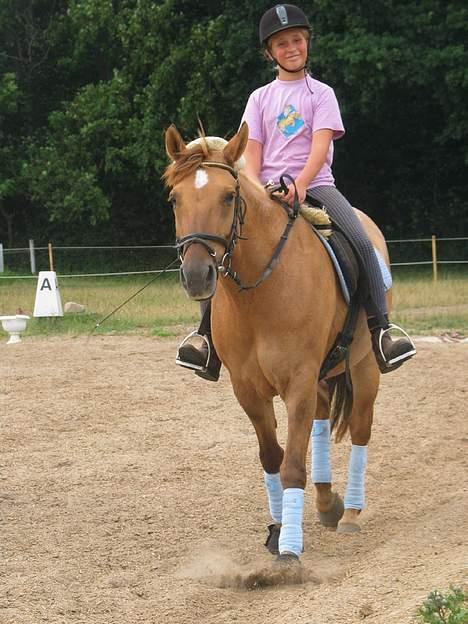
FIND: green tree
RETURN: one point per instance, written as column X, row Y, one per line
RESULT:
column 30, row 84
column 401, row 72
column 87, row 89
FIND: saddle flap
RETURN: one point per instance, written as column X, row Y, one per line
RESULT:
column 347, row 260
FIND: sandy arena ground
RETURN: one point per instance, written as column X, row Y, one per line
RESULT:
column 130, row 491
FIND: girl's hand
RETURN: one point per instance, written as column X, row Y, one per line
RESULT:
column 301, row 192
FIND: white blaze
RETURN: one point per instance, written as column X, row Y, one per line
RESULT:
column 201, row 178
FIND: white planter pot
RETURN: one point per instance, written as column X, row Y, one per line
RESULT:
column 14, row 325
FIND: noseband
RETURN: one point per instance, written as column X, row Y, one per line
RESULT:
column 229, row 243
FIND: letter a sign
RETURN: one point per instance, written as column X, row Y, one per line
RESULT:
column 48, row 302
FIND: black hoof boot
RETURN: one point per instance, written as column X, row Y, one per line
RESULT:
column 273, row 538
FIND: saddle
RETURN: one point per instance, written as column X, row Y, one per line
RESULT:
column 345, row 259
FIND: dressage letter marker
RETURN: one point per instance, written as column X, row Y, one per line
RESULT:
column 48, row 302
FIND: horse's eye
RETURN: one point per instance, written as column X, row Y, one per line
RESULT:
column 172, row 201
column 228, row 198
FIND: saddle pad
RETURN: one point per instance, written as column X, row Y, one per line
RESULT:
column 348, row 285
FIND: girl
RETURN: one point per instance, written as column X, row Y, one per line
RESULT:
column 293, row 121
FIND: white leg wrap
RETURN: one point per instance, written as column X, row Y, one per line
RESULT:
column 274, row 490
column 354, row 497
column 320, row 450
column 290, row 539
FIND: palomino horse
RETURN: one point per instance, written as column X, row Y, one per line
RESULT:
column 273, row 336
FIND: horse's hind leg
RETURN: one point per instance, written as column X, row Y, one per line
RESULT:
column 261, row 413
column 365, row 383
column 329, row 504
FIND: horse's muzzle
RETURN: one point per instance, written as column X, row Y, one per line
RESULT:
column 199, row 275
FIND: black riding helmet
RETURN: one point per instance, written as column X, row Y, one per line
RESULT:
column 281, row 17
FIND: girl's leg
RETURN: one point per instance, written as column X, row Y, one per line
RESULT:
column 342, row 213
column 390, row 354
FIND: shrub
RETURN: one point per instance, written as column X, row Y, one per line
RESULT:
column 451, row 608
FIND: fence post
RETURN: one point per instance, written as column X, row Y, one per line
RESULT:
column 434, row 258
column 51, row 258
column 32, row 256
column 2, row 266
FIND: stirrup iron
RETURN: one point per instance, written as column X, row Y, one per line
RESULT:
column 403, row 356
column 197, row 367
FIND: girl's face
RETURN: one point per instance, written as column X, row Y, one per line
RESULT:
column 289, row 48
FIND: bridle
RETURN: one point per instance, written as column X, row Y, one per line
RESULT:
column 202, row 238
column 229, row 243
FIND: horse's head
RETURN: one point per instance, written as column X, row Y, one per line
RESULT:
column 205, row 196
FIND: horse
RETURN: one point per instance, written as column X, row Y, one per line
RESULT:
column 273, row 323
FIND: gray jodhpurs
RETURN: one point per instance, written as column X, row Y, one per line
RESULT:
column 342, row 213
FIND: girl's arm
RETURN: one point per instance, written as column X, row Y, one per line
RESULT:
column 321, row 140
column 253, row 159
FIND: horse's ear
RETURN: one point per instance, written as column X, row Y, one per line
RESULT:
column 236, row 146
column 175, row 145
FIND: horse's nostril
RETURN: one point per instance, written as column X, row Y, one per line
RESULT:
column 198, row 278
column 211, row 273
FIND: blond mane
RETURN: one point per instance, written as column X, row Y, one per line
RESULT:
column 203, row 148
column 211, row 148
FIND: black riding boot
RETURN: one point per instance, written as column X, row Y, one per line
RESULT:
column 390, row 354
column 203, row 360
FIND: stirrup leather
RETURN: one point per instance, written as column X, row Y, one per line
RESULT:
column 192, row 366
column 403, row 356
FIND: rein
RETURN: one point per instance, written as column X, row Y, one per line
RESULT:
column 229, row 244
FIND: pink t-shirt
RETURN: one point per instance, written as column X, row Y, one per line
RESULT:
column 282, row 116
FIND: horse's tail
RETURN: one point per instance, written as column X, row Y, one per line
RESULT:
column 341, row 398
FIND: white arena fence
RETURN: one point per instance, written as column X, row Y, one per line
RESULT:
column 117, row 260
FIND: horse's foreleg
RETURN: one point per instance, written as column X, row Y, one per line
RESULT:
column 329, row 504
column 261, row 413
column 301, row 411
column 365, row 383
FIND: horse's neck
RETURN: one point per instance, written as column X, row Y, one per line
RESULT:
column 301, row 286
column 264, row 227
column 265, row 222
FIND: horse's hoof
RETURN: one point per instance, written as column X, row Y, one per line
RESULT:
column 288, row 559
column 348, row 527
column 273, row 538
column 332, row 517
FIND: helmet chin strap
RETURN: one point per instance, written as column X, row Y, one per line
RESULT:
column 293, row 71
column 290, row 71
column 296, row 71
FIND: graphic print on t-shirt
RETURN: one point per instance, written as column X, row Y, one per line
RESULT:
column 290, row 121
